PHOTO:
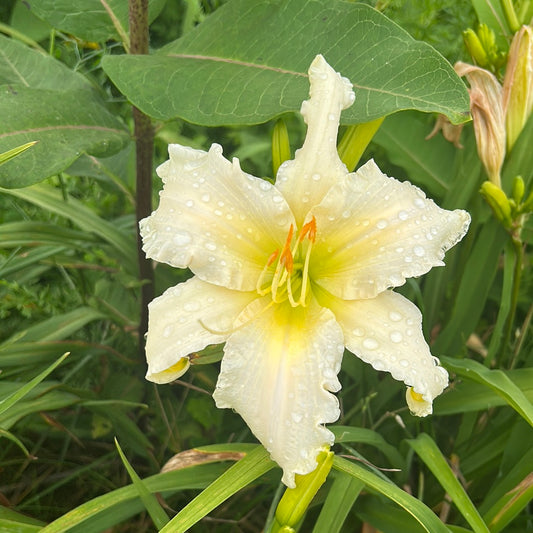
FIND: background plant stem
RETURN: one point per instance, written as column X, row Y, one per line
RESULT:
column 144, row 145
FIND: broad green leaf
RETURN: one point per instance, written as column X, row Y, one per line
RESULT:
column 497, row 380
column 12, row 399
column 122, row 243
column 92, row 20
column 428, row 451
column 248, row 62
column 156, row 512
column 424, row 515
column 427, row 162
column 22, row 66
column 66, row 124
column 248, row 469
column 341, row 496
column 23, row 20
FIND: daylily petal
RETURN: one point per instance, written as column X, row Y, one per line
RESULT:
column 215, row 219
column 386, row 331
column 316, row 166
column 373, row 232
column 178, row 322
column 276, row 373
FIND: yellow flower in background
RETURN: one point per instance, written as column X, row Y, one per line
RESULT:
column 288, row 275
column 518, row 84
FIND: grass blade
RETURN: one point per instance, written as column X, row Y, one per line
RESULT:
column 428, row 451
column 156, row 512
column 423, row 514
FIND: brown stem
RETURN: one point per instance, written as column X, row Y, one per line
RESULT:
column 144, row 146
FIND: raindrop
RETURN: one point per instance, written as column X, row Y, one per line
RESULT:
column 403, row 215
column 316, row 177
column 297, row 417
column 191, row 306
column 419, row 251
column 206, row 197
column 211, row 246
column 381, row 224
column 181, row 238
column 395, row 316
column 167, row 331
column 404, row 363
column 378, row 364
column 189, row 203
column 419, row 203
column 396, row 336
column 359, row 332
column 370, row 343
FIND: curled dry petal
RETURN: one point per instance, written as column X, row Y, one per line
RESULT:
column 488, row 115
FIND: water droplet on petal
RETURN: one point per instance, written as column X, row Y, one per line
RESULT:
column 395, row 316
column 206, row 197
column 191, row 306
column 419, row 251
column 316, row 177
column 381, row 224
column 396, row 336
column 167, row 331
column 403, row 215
column 370, row 343
column 181, row 238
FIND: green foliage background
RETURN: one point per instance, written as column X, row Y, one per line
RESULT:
column 69, row 282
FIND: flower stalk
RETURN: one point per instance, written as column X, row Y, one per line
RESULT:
column 144, row 146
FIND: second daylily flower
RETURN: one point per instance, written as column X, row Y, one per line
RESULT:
column 288, row 275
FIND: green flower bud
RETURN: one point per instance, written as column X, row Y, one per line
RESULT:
column 295, row 502
column 518, row 189
column 498, row 202
column 475, row 48
column 518, row 84
column 281, row 148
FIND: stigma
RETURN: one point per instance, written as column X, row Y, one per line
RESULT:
column 286, row 272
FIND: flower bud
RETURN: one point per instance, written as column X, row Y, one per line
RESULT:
column 518, row 84
column 498, row 202
column 488, row 116
column 475, row 48
column 281, row 148
column 519, row 188
column 295, row 502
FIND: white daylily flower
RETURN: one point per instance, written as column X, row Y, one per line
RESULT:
column 290, row 274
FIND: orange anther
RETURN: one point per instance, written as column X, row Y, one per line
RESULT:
column 308, row 230
column 286, row 258
column 273, row 257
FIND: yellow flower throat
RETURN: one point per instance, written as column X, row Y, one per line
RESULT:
column 290, row 268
